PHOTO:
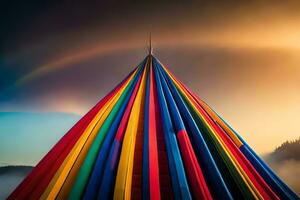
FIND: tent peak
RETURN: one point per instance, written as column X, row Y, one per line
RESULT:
column 150, row 50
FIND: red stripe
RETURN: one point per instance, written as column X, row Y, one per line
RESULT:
column 41, row 175
column 194, row 172
column 153, row 157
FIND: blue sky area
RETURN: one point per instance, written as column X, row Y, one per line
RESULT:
column 26, row 137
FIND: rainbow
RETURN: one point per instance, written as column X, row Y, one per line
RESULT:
column 152, row 138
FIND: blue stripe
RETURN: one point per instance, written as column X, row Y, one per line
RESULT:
column 96, row 175
column 107, row 184
column 179, row 182
column 211, row 173
column 174, row 112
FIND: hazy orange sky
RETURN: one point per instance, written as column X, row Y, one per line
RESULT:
column 241, row 58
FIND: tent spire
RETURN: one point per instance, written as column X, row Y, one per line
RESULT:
column 150, row 45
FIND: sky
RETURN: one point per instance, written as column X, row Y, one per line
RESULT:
column 58, row 58
column 29, row 136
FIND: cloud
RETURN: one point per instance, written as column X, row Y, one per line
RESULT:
column 289, row 172
column 285, row 161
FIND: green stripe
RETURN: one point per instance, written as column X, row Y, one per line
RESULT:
column 87, row 166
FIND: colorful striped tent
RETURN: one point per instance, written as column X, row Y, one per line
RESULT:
column 152, row 138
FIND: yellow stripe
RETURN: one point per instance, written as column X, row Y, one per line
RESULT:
column 125, row 168
column 67, row 186
column 244, row 176
column 81, row 146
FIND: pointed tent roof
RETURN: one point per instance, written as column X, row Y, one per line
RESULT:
column 151, row 137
